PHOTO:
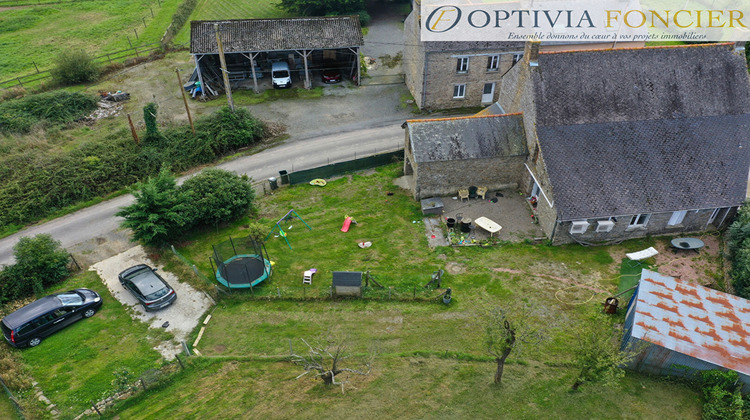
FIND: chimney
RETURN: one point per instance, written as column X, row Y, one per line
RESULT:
column 531, row 51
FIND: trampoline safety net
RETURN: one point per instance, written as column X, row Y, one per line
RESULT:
column 240, row 261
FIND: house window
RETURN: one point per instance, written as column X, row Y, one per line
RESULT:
column 579, row 226
column 462, row 65
column 459, row 91
column 639, row 220
column 677, row 218
column 517, row 58
column 713, row 215
column 604, row 225
column 493, row 62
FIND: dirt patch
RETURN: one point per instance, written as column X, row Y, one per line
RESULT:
column 183, row 315
column 455, row 268
column 700, row 268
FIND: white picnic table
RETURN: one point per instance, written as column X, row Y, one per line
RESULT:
column 488, row 225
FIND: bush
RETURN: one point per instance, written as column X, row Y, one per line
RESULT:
column 721, row 394
column 45, row 109
column 40, row 262
column 180, row 17
column 159, row 212
column 323, row 7
column 231, row 130
column 364, row 18
column 215, row 196
column 152, row 128
column 75, row 67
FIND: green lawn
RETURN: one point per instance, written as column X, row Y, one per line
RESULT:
column 431, row 360
column 76, row 365
column 231, row 9
column 37, row 34
column 7, row 409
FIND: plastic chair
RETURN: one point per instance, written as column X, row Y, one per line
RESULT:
column 481, row 191
column 463, row 194
column 307, row 277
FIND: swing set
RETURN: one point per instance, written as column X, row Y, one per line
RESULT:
column 291, row 214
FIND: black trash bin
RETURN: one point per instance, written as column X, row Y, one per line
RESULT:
column 272, row 182
column 283, row 178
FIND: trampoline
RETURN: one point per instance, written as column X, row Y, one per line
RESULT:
column 243, row 271
column 241, row 263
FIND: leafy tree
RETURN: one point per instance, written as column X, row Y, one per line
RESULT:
column 159, row 212
column 505, row 331
column 217, row 196
column 597, row 354
column 75, row 67
column 323, row 7
column 41, row 260
column 739, row 249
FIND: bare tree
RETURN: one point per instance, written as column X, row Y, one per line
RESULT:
column 326, row 361
column 508, row 330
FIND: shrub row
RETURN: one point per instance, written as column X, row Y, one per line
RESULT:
column 36, row 184
column 180, row 17
column 45, row 109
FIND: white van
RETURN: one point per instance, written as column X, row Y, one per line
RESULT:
column 280, row 75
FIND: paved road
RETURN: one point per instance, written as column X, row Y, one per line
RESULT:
column 293, row 155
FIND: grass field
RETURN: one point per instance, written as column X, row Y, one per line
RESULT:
column 7, row 410
column 431, row 360
column 37, row 34
column 76, row 365
column 231, row 9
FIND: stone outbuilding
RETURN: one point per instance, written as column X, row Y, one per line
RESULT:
column 447, row 154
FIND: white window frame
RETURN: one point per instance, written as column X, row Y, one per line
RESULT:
column 605, row 225
column 459, row 91
column 713, row 215
column 579, row 226
column 517, row 58
column 639, row 220
column 677, row 218
column 462, row 65
column 493, row 63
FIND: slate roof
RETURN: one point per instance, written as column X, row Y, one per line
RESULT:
column 476, row 137
column 247, row 35
column 582, row 87
column 623, row 168
column 694, row 320
column 466, row 46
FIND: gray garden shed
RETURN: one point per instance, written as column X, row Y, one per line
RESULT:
column 347, row 283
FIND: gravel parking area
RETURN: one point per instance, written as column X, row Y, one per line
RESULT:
column 183, row 315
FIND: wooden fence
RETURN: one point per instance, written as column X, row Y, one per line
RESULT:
column 108, row 58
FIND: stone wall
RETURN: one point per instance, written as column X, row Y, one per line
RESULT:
column 446, row 178
column 695, row 221
column 414, row 58
column 441, row 77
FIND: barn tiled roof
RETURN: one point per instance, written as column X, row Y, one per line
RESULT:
column 476, row 137
column 623, row 168
column 582, row 87
column 276, row 34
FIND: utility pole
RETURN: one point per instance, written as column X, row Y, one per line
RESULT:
column 224, row 71
column 184, row 99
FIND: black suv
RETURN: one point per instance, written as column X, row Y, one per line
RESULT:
column 30, row 324
column 152, row 291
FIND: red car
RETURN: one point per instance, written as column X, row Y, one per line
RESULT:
column 331, row 76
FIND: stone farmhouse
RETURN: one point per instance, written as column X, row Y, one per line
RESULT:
column 622, row 143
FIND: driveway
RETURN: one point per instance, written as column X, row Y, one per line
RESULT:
column 183, row 315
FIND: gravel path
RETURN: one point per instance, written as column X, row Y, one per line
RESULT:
column 183, row 315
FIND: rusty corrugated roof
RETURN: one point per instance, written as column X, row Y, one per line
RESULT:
column 246, row 35
column 694, row 320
